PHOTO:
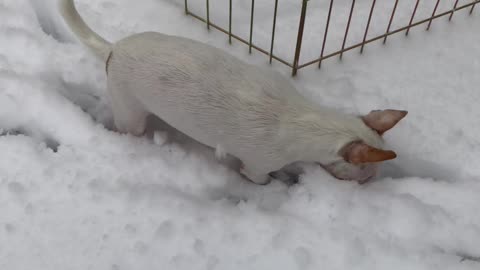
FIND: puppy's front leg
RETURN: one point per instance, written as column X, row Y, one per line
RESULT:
column 255, row 176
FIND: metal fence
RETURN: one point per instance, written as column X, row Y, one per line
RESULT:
column 295, row 65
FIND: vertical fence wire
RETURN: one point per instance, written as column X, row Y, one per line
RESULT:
column 298, row 47
column 208, row 14
column 296, row 65
column 411, row 18
column 230, row 22
column 390, row 21
column 347, row 28
column 368, row 25
column 433, row 14
column 453, row 10
column 251, row 28
column 326, row 33
column 273, row 30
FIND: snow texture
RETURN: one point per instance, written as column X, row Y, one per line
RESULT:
column 74, row 194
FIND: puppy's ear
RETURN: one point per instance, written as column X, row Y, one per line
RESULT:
column 383, row 120
column 359, row 153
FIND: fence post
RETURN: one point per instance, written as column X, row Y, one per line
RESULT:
column 273, row 30
column 230, row 22
column 433, row 14
column 453, row 10
column 251, row 27
column 368, row 25
column 390, row 22
column 325, row 34
column 411, row 18
column 301, row 26
column 347, row 28
column 208, row 14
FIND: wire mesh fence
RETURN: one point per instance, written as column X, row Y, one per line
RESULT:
column 326, row 8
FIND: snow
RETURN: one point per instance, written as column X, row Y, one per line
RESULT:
column 76, row 195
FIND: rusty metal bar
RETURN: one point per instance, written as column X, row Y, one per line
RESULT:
column 301, row 26
column 251, row 28
column 273, row 29
column 391, row 20
column 208, row 14
column 242, row 40
column 411, row 18
column 368, row 25
column 384, row 35
column 326, row 33
column 186, row 7
column 433, row 14
column 230, row 23
column 347, row 28
column 453, row 10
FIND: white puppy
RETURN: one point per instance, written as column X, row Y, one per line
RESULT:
column 251, row 113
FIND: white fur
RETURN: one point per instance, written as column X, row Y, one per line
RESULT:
column 247, row 111
column 100, row 46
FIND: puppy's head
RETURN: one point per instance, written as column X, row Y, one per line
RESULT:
column 358, row 160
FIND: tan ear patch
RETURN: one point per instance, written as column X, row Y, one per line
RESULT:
column 359, row 153
column 383, row 120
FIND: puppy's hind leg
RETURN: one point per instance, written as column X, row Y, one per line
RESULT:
column 129, row 114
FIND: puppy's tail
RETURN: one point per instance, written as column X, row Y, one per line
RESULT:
column 97, row 44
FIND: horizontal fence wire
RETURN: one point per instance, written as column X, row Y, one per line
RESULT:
column 295, row 65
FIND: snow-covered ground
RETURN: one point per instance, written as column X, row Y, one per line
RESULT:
column 75, row 195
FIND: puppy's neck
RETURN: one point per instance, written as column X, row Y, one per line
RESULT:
column 317, row 135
